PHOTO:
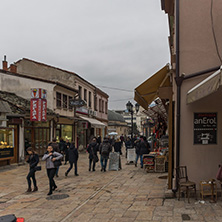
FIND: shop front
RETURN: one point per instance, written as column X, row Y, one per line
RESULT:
column 65, row 132
column 8, row 145
column 37, row 135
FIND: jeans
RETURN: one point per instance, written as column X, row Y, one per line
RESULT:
column 30, row 175
column 57, row 171
column 90, row 163
column 141, row 159
column 71, row 166
column 51, row 174
column 103, row 161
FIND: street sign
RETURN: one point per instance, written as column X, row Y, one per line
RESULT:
column 77, row 102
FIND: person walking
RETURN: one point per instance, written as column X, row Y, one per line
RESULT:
column 33, row 160
column 105, row 149
column 118, row 146
column 67, row 151
column 143, row 148
column 55, row 145
column 73, row 158
column 128, row 144
column 50, row 157
column 92, row 150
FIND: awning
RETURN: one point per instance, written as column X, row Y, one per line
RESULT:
column 206, row 87
column 148, row 91
column 94, row 122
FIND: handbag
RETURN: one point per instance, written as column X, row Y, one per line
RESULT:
column 38, row 168
column 219, row 174
column 95, row 158
column 57, row 163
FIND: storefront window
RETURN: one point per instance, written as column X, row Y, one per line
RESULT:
column 66, row 132
column 6, row 143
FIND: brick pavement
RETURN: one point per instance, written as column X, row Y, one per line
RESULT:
column 126, row 195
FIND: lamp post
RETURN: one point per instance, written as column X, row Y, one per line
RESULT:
column 129, row 107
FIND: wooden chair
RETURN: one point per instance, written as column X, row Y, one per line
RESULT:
column 183, row 182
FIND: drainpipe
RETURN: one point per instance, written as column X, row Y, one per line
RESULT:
column 179, row 81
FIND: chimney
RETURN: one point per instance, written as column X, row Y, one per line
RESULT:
column 13, row 68
column 5, row 64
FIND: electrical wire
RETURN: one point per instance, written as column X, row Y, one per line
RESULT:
column 214, row 35
column 113, row 88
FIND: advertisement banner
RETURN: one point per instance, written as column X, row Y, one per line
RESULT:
column 205, row 128
column 34, row 110
column 44, row 110
column 38, row 105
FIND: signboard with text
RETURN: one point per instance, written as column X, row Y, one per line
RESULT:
column 205, row 128
column 6, row 152
column 38, row 105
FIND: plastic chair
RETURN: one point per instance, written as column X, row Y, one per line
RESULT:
column 183, row 182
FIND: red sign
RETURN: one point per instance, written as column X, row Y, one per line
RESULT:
column 38, row 105
column 34, row 110
column 44, row 109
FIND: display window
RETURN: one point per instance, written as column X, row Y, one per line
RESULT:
column 6, row 143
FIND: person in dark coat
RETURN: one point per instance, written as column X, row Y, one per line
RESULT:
column 104, row 150
column 33, row 161
column 54, row 145
column 92, row 150
column 128, row 144
column 67, row 151
column 118, row 146
column 73, row 158
column 141, row 148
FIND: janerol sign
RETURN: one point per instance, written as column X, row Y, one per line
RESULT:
column 38, row 105
column 205, row 128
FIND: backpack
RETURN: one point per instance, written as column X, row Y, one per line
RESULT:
column 105, row 149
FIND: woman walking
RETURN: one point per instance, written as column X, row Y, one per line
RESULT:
column 50, row 157
column 33, row 161
column 92, row 150
column 73, row 158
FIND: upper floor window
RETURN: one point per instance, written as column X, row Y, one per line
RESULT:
column 58, row 100
column 102, row 106
column 80, row 92
column 70, row 98
column 106, row 107
column 65, row 105
column 90, row 99
column 95, row 102
column 85, row 95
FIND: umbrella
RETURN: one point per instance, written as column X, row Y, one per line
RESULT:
column 113, row 133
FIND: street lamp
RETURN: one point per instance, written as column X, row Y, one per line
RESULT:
column 129, row 107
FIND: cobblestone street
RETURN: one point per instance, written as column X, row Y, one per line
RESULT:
column 126, row 195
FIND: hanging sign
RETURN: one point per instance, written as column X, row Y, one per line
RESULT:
column 38, row 105
column 205, row 128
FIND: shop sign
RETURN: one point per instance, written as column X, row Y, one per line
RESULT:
column 77, row 102
column 6, row 152
column 83, row 124
column 38, row 105
column 205, row 128
column 114, row 161
column 82, row 110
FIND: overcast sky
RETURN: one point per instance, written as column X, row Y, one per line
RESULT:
column 112, row 43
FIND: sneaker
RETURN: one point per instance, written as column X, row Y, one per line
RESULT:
column 35, row 189
column 29, row 190
column 66, row 174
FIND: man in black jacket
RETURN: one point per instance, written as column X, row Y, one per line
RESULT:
column 73, row 158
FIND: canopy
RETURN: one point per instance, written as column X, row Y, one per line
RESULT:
column 94, row 122
column 148, row 91
column 206, row 87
